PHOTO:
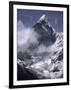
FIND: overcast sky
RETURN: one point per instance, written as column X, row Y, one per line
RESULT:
column 30, row 17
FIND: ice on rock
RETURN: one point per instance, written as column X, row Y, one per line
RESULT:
column 43, row 17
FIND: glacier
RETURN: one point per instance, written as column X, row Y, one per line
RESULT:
column 44, row 59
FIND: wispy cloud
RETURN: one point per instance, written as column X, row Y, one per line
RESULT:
column 55, row 21
column 26, row 37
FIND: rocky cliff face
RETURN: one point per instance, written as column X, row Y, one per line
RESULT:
column 45, row 58
column 45, row 31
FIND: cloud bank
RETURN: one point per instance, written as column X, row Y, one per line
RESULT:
column 26, row 37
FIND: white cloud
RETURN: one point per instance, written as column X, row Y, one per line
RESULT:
column 42, row 49
column 26, row 37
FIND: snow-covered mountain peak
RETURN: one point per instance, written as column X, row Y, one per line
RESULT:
column 43, row 17
column 45, row 30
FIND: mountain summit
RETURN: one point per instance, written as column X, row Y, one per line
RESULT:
column 43, row 17
column 45, row 30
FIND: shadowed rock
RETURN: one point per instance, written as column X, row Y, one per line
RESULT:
column 24, row 74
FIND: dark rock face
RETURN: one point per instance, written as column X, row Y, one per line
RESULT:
column 45, row 59
column 46, row 32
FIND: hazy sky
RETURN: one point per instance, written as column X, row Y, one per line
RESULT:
column 30, row 17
